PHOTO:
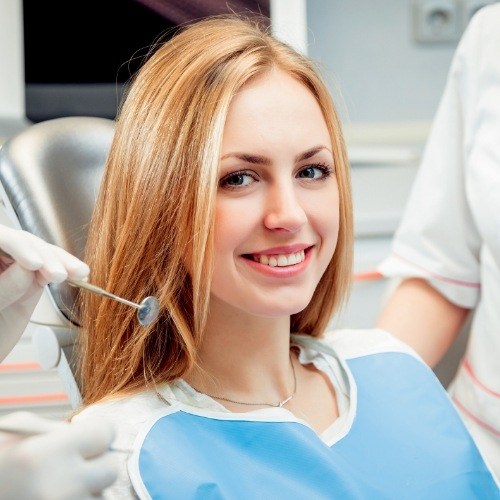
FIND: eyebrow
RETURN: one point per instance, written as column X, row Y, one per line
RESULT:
column 262, row 160
column 310, row 153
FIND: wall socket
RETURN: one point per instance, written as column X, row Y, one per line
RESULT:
column 438, row 21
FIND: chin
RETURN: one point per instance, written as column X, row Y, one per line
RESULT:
column 279, row 310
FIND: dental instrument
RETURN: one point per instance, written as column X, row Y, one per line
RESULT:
column 147, row 310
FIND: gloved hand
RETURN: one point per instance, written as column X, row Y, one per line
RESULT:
column 35, row 264
column 66, row 462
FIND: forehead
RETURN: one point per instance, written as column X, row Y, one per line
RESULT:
column 274, row 111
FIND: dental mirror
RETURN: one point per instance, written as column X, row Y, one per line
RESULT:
column 147, row 310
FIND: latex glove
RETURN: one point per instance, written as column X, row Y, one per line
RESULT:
column 36, row 263
column 66, row 462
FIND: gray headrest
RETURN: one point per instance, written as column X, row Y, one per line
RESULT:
column 51, row 173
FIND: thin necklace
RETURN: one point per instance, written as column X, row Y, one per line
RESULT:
column 279, row 404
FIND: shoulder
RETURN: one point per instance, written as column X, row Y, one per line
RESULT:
column 373, row 355
column 128, row 407
column 486, row 20
column 355, row 343
column 482, row 36
column 127, row 414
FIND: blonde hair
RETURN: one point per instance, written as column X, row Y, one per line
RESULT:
column 154, row 215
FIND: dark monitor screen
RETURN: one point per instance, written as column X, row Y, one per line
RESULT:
column 80, row 55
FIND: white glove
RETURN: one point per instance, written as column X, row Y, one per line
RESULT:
column 66, row 462
column 36, row 263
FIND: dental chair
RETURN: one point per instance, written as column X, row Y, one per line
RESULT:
column 49, row 179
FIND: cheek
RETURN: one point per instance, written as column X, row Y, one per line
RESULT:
column 326, row 216
column 232, row 225
column 328, row 226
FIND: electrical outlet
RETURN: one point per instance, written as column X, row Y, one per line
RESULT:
column 436, row 21
column 470, row 7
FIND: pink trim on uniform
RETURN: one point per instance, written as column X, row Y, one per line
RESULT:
column 473, row 417
column 468, row 368
column 368, row 276
column 438, row 276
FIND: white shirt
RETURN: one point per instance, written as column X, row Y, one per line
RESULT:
column 450, row 231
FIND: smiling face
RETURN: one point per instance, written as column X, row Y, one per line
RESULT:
column 277, row 207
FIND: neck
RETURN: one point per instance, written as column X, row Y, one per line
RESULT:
column 245, row 358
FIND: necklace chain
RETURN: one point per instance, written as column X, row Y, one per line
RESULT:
column 279, row 404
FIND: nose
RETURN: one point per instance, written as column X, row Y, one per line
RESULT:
column 284, row 210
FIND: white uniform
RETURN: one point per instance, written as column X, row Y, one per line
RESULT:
column 450, row 232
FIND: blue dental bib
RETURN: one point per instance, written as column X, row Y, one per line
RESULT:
column 406, row 441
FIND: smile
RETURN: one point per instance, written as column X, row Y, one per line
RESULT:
column 281, row 260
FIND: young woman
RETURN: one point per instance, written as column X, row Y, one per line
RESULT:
column 227, row 195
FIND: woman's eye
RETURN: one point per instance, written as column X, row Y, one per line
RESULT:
column 314, row 172
column 236, row 180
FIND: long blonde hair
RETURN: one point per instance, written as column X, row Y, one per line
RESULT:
column 154, row 215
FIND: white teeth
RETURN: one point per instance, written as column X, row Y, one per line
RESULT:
column 281, row 260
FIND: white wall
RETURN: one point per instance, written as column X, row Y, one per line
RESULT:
column 368, row 47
